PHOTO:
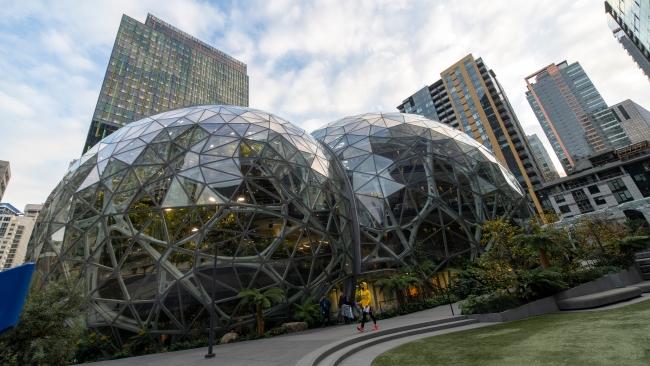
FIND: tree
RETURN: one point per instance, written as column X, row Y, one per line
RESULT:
column 399, row 282
column 539, row 241
column 308, row 311
column 258, row 301
column 49, row 329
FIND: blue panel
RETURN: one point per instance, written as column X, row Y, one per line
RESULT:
column 14, row 286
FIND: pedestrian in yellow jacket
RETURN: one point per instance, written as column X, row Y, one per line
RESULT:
column 365, row 301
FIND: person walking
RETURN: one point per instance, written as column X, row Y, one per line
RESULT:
column 339, row 314
column 366, row 308
column 325, row 306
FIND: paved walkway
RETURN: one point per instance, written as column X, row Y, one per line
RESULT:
column 283, row 350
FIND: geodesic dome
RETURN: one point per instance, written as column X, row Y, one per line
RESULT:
column 139, row 218
column 423, row 189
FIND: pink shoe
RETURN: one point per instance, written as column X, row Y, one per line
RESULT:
column 375, row 327
column 359, row 328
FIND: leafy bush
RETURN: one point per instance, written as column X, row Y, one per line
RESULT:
column 494, row 302
column 482, row 278
column 93, row 346
column 308, row 311
column 188, row 344
column 539, row 282
column 49, row 327
column 630, row 245
column 583, row 275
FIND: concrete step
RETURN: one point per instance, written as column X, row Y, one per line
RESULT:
column 644, row 268
column 644, row 286
column 641, row 255
column 599, row 298
column 318, row 356
column 337, row 358
column 642, row 261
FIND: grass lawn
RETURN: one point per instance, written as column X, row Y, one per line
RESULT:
column 609, row 337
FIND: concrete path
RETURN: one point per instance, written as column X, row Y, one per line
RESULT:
column 283, row 350
column 367, row 355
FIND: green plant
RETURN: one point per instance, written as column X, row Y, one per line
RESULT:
column 258, row 301
column 399, row 282
column 579, row 276
column 494, row 302
column 93, row 346
column 49, row 329
column 538, row 283
column 307, row 311
column 142, row 343
column 539, row 241
column 628, row 246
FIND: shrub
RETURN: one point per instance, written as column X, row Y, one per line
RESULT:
column 494, row 302
column 308, row 311
column 628, row 246
column 93, row 346
column 49, row 327
column 582, row 275
column 539, row 282
column 188, row 344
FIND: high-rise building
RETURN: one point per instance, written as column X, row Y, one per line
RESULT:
column 15, row 230
column 543, row 159
column 156, row 67
column 5, row 175
column 635, row 120
column 573, row 115
column 469, row 97
column 629, row 20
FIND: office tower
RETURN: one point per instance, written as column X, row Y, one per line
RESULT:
column 15, row 230
column 469, row 97
column 155, row 67
column 573, row 115
column 634, row 119
column 543, row 159
column 629, row 20
column 5, row 175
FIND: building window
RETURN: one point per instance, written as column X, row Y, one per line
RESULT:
column 559, row 198
column 565, row 209
column 593, row 189
column 623, row 196
column 600, row 200
column 616, row 185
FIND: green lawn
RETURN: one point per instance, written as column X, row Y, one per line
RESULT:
column 609, row 337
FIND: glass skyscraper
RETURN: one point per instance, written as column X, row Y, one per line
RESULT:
column 573, row 115
column 630, row 23
column 469, row 97
column 635, row 120
column 156, row 67
column 543, row 159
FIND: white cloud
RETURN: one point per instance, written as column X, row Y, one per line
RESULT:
column 310, row 62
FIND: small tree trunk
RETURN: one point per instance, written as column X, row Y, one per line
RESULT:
column 260, row 320
column 543, row 257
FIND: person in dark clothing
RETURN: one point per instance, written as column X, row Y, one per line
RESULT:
column 325, row 306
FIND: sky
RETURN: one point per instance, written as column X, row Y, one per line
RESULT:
column 308, row 62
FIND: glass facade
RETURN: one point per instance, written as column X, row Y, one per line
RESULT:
column 630, row 23
column 546, row 167
column 572, row 113
column 422, row 188
column 470, row 98
column 155, row 67
column 178, row 212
